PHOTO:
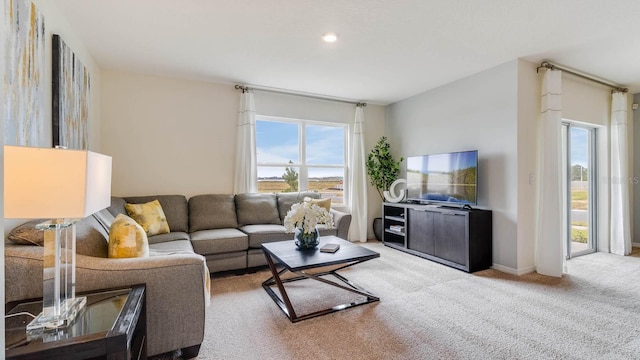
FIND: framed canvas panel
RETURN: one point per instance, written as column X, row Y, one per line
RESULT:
column 70, row 108
column 23, row 48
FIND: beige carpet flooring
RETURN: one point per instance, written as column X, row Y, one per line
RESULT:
column 430, row 311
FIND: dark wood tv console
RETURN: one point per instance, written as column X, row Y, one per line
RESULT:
column 460, row 238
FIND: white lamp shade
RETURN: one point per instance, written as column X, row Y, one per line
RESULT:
column 55, row 183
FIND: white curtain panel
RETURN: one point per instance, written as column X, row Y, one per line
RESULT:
column 358, row 181
column 620, row 217
column 245, row 174
column 549, row 237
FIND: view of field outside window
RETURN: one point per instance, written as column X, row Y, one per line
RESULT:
column 298, row 155
column 579, row 157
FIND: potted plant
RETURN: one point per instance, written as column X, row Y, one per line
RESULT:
column 383, row 170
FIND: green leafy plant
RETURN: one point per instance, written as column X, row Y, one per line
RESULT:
column 579, row 235
column 290, row 176
column 382, row 168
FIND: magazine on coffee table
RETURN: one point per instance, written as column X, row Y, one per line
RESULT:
column 330, row 248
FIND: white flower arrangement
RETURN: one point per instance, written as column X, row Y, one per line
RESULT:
column 306, row 215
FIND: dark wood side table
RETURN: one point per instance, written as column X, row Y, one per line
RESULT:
column 113, row 325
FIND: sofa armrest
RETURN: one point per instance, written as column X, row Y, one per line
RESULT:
column 174, row 290
column 342, row 221
column 175, row 294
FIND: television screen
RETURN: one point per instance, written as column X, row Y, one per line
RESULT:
column 443, row 178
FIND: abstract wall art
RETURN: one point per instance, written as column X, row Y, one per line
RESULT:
column 71, row 86
column 23, row 46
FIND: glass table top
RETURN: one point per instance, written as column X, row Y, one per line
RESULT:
column 99, row 315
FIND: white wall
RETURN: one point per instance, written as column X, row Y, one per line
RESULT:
column 528, row 121
column 172, row 136
column 478, row 112
column 168, row 136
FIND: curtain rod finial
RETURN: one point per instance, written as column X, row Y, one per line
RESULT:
column 243, row 88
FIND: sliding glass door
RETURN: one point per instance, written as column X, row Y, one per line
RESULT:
column 579, row 143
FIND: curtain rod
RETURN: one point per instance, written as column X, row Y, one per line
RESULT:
column 296, row 93
column 548, row 65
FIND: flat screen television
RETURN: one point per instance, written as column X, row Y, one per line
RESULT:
column 450, row 178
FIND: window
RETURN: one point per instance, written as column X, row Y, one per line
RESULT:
column 579, row 160
column 301, row 155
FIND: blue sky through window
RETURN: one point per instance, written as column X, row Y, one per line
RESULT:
column 325, row 145
column 579, row 146
column 277, row 143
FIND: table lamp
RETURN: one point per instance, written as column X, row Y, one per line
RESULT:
column 66, row 186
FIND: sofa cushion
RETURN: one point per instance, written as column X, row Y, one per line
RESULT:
column 218, row 241
column 259, row 234
column 91, row 238
column 257, row 209
column 127, row 239
column 286, row 200
column 150, row 216
column 172, row 236
column 117, row 206
column 171, row 247
column 255, row 257
column 175, row 208
column 27, row 234
column 212, row 211
column 227, row 261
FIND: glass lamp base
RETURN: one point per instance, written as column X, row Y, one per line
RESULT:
column 42, row 323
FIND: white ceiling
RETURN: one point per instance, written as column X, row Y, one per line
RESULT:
column 388, row 50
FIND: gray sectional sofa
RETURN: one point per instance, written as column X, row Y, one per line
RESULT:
column 228, row 230
column 223, row 231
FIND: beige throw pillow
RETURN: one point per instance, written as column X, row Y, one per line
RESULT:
column 150, row 216
column 127, row 239
column 325, row 203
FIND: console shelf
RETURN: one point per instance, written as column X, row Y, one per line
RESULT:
column 460, row 238
column 395, row 218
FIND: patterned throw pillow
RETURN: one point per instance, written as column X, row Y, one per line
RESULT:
column 27, row 234
column 127, row 239
column 150, row 216
column 325, row 203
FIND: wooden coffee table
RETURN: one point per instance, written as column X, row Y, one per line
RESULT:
column 289, row 258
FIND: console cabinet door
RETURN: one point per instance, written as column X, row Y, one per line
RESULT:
column 451, row 237
column 421, row 231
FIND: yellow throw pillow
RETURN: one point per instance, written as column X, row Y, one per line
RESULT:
column 325, row 203
column 150, row 216
column 127, row 239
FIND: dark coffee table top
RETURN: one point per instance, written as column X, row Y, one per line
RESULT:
column 294, row 259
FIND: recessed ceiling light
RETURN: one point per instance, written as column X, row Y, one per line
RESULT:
column 330, row 37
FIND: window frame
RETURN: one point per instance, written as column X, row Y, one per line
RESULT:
column 302, row 166
column 593, row 190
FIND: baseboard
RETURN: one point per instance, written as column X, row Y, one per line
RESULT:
column 636, row 244
column 512, row 271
